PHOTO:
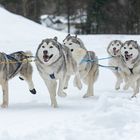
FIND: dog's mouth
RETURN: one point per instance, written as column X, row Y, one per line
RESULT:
column 47, row 57
column 128, row 56
column 115, row 52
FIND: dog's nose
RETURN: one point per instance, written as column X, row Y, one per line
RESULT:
column 114, row 48
column 126, row 52
column 45, row 52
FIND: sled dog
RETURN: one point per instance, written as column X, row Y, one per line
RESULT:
column 12, row 65
column 88, row 70
column 130, row 55
column 113, row 50
column 54, row 61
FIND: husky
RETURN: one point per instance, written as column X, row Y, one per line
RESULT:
column 12, row 65
column 54, row 62
column 88, row 70
column 113, row 50
column 130, row 55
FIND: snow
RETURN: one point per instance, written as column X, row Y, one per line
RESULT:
column 109, row 115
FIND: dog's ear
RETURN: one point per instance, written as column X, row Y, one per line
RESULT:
column 55, row 38
column 68, row 35
column 43, row 40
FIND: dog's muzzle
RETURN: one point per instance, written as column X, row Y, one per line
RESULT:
column 128, row 56
column 46, row 57
column 115, row 51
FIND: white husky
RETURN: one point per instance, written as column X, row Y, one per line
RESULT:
column 130, row 55
column 55, row 62
column 113, row 50
column 88, row 70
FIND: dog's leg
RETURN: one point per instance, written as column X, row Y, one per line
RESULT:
column 90, row 84
column 51, row 85
column 5, row 94
column 77, row 82
column 90, row 80
column 119, row 80
column 135, row 86
column 30, row 84
column 67, row 81
column 126, row 80
column 60, row 92
column 26, row 74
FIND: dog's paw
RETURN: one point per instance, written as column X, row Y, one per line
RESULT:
column 33, row 91
column 133, row 96
column 63, row 94
column 87, row 95
column 117, row 88
column 4, row 105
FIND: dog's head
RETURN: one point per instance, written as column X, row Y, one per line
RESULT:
column 114, row 47
column 130, row 50
column 76, row 47
column 48, row 51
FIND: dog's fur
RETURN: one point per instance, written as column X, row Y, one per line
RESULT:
column 130, row 55
column 88, row 70
column 54, row 61
column 113, row 50
column 10, row 66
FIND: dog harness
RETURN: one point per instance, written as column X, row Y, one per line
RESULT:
column 18, row 65
column 131, row 70
column 52, row 76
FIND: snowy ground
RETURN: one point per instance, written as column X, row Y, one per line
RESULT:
column 109, row 115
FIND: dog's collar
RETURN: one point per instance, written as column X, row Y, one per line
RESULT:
column 52, row 76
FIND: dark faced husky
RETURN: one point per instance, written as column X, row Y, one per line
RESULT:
column 54, row 61
column 130, row 55
column 10, row 66
column 113, row 50
column 88, row 70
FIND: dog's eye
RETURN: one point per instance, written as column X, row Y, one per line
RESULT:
column 130, row 48
column 118, row 44
column 112, row 44
column 51, row 46
column 70, row 43
column 43, row 46
column 71, row 50
column 124, row 47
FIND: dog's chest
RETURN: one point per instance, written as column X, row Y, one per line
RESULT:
column 50, row 72
column 114, row 62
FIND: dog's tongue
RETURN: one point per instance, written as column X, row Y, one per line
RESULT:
column 46, row 58
column 127, row 57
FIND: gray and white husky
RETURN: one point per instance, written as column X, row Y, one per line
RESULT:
column 12, row 65
column 113, row 50
column 130, row 55
column 88, row 70
column 54, row 61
